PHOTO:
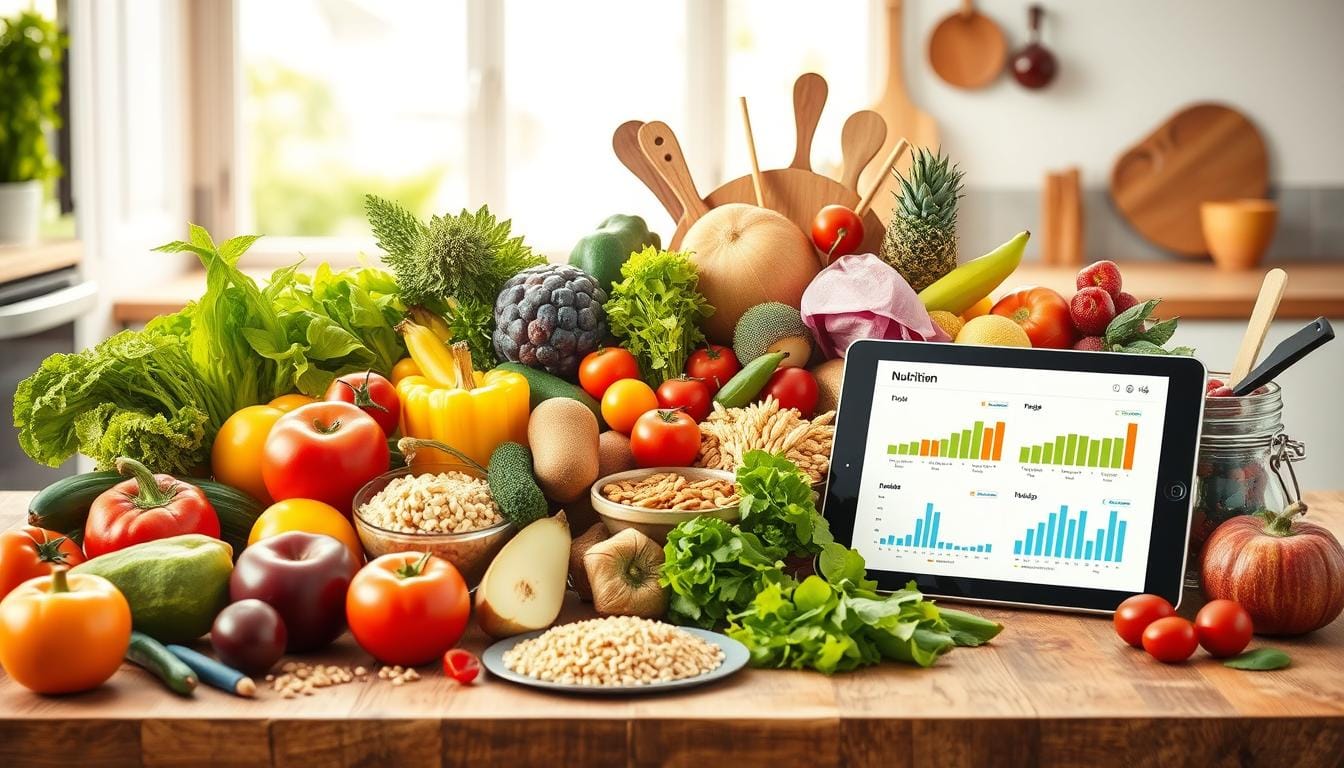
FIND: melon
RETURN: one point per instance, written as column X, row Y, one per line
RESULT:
column 745, row 256
column 773, row 327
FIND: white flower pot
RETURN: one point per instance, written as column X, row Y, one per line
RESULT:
column 20, row 209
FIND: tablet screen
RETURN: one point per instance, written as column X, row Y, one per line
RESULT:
column 1011, row 474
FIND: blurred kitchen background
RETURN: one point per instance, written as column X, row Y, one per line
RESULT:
column 276, row 116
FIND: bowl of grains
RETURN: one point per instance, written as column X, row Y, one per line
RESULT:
column 445, row 509
column 656, row 500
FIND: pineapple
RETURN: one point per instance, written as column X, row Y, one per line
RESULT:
column 921, row 239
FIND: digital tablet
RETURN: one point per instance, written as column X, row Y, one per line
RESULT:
column 1036, row 477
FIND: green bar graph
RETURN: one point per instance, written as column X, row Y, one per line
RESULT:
column 895, row 449
column 976, row 434
column 943, row 446
column 1059, row 449
column 1075, row 450
column 1025, row 456
column 1093, row 449
column 1117, row 451
column 955, row 447
column 1035, row 454
column 1048, row 453
column 980, row 443
column 1069, row 448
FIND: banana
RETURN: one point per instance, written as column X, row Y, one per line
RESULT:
column 429, row 353
column 433, row 322
column 956, row 291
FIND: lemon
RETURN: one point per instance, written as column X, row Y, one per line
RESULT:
column 950, row 323
column 977, row 309
column 993, row 331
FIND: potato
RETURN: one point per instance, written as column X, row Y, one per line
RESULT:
column 563, row 436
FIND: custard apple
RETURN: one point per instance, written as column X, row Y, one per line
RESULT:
column 550, row 317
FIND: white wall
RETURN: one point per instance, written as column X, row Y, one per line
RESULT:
column 1125, row 65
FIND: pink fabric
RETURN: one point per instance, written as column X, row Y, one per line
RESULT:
column 861, row 297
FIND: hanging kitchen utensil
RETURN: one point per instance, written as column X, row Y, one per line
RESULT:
column 809, row 97
column 1034, row 66
column 903, row 118
column 1266, row 304
column 860, row 140
column 663, row 151
column 1288, row 352
column 625, row 143
column 751, row 151
column 967, row 49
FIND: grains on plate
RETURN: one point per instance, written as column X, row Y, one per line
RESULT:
column 674, row 491
column 611, row 651
column 447, row 502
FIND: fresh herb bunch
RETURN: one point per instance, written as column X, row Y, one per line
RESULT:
column 657, row 310
column 1131, row 331
column 777, row 505
column 31, row 49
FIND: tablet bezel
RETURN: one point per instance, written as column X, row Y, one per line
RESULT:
column 1165, row 570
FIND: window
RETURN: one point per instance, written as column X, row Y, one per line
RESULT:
column 513, row 103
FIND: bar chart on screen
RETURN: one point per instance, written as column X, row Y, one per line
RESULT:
column 1076, row 450
column 982, row 441
column 1062, row 536
column 927, row 535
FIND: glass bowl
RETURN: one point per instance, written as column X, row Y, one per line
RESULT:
column 470, row 551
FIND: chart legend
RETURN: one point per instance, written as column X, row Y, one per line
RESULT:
column 926, row 536
column 1074, row 450
column 979, row 443
column 1064, row 537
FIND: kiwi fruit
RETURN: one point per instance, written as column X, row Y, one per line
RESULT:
column 828, row 375
column 773, row 327
column 563, row 436
column 613, row 454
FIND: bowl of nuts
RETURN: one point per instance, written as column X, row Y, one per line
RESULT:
column 443, row 508
column 656, row 500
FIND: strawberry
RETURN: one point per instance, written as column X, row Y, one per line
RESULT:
column 1100, row 274
column 1091, row 310
column 1090, row 344
column 1124, row 301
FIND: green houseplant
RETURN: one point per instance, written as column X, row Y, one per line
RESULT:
column 31, row 48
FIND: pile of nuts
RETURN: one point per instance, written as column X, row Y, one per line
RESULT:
column 299, row 678
column 447, row 502
column 398, row 674
column 672, row 491
column 611, row 651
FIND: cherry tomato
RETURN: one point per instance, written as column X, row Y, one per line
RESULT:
column 1136, row 613
column 235, row 457
column 714, row 364
column 307, row 516
column 461, row 665
column 407, row 608
column 29, row 552
column 374, row 395
column 604, row 367
column 664, row 438
column 1042, row 313
column 1170, row 640
column 404, row 367
column 690, row 395
column 793, row 388
column 324, row 451
column 624, row 402
column 1224, row 628
column 63, row 633
column 837, row 231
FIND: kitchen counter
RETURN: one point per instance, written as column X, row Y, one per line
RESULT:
column 1053, row 689
column 20, row 261
column 1190, row 288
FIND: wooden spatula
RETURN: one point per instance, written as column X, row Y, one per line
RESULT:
column 660, row 146
column 809, row 97
column 1271, row 292
column 625, row 143
column 860, row 141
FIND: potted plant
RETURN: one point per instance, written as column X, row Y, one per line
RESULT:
column 31, row 48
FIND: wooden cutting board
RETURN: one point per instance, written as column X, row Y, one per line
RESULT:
column 1203, row 152
column 904, row 119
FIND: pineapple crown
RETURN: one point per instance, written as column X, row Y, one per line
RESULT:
column 931, row 192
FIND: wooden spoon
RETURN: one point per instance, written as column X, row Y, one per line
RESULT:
column 625, row 143
column 1271, row 292
column 860, row 141
column 751, row 151
column 967, row 49
column 663, row 151
column 809, row 96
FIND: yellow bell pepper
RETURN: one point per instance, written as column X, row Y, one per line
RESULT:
column 451, row 403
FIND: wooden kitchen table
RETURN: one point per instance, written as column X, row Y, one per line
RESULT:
column 1053, row 689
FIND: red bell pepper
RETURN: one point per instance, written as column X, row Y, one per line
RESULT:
column 144, row 508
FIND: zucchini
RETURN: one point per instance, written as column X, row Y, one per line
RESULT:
column 155, row 657
column 747, row 383
column 64, row 505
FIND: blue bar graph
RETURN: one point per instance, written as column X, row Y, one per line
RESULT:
column 926, row 536
column 1062, row 536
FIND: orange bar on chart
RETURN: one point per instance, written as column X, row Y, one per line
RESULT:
column 987, row 445
column 1130, row 439
column 933, row 447
column 998, row 442
column 923, row 447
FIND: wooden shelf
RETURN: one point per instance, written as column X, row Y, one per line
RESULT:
column 20, row 261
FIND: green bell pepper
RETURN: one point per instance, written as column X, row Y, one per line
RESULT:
column 601, row 253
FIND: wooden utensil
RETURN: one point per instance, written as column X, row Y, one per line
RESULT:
column 809, row 97
column 967, row 49
column 903, row 118
column 1286, row 354
column 1049, row 238
column 1203, row 152
column 1070, row 224
column 892, row 157
column 860, row 140
column 663, row 151
column 1034, row 66
column 751, row 151
column 1271, row 292
column 625, row 143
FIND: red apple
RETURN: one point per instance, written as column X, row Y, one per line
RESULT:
column 304, row 577
column 249, row 635
column 1287, row 573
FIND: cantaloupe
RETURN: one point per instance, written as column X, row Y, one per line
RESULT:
column 745, row 256
column 773, row 327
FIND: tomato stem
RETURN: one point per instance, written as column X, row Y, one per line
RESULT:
column 839, row 236
column 329, row 428
column 49, row 550
column 148, row 494
column 409, row 570
column 362, row 397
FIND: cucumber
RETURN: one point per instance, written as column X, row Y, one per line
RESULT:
column 513, row 486
column 64, row 505
column 543, row 386
column 747, row 383
column 155, row 657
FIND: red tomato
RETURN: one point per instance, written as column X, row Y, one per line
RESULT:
column 1136, row 613
column 663, row 438
column 461, row 665
column 374, row 395
column 793, row 388
column 1170, row 639
column 145, row 508
column 1224, row 628
column 690, row 395
column 715, row 364
column 836, row 231
column 325, row 451
column 604, row 367
column 407, row 608
column 29, row 552
column 1042, row 313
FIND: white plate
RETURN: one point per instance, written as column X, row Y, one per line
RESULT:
column 735, row 656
